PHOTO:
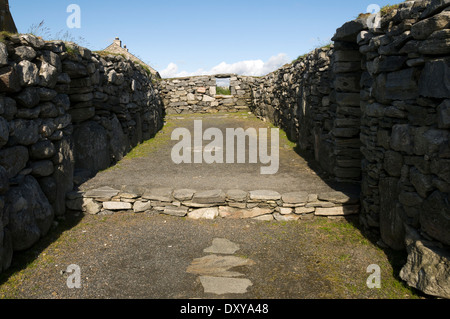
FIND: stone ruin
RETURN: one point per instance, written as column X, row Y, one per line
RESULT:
column 373, row 108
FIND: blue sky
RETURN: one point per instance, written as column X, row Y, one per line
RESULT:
column 183, row 37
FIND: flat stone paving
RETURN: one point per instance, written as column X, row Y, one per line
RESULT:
column 150, row 165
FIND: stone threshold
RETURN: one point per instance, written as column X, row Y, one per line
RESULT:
column 234, row 204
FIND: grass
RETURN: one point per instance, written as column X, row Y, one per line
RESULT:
column 72, row 50
column 383, row 11
column 300, row 58
column 223, row 90
column 147, row 147
column 339, row 252
column 388, row 9
column 322, row 45
column 5, row 35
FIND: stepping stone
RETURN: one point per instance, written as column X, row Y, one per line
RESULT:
column 223, row 286
column 209, row 197
column 213, row 265
column 222, row 246
column 264, row 195
column 204, row 213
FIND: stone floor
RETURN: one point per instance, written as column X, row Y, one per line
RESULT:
column 150, row 165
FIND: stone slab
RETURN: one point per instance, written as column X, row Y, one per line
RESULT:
column 223, row 286
column 183, row 194
column 209, row 197
column 237, row 213
column 204, row 213
column 214, row 265
column 117, row 206
column 264, row 195
column 222, row 246
column 158, row 194
column 103, row 192
column 140, row 206
column 175, row 211
column 295, row 198
column 236, row 195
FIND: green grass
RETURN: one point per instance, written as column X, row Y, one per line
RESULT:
column 223, row 90
column 145, row 148
column 300, row 58
column 388, row 9
column 5, row 35
column 383, row 11
column 72, row 50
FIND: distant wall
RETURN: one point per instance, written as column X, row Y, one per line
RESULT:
column 65, row 113
column 197, row 94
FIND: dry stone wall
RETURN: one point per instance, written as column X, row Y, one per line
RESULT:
column 210, row 204
column 297, row 98
column 374, row 108
column 405, row 100
column 198, row 94
column 316, row 101
column 65, row 113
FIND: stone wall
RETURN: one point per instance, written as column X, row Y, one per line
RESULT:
column 198, row 94
column 210, row 204
column 297, row 98
column 375, row 109
column 405, row 103
column 65, row 113
column 316, row 101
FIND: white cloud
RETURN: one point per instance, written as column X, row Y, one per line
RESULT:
column 250, row 68
column 170, row 71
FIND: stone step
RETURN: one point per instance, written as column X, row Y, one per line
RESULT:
column 212, row 204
